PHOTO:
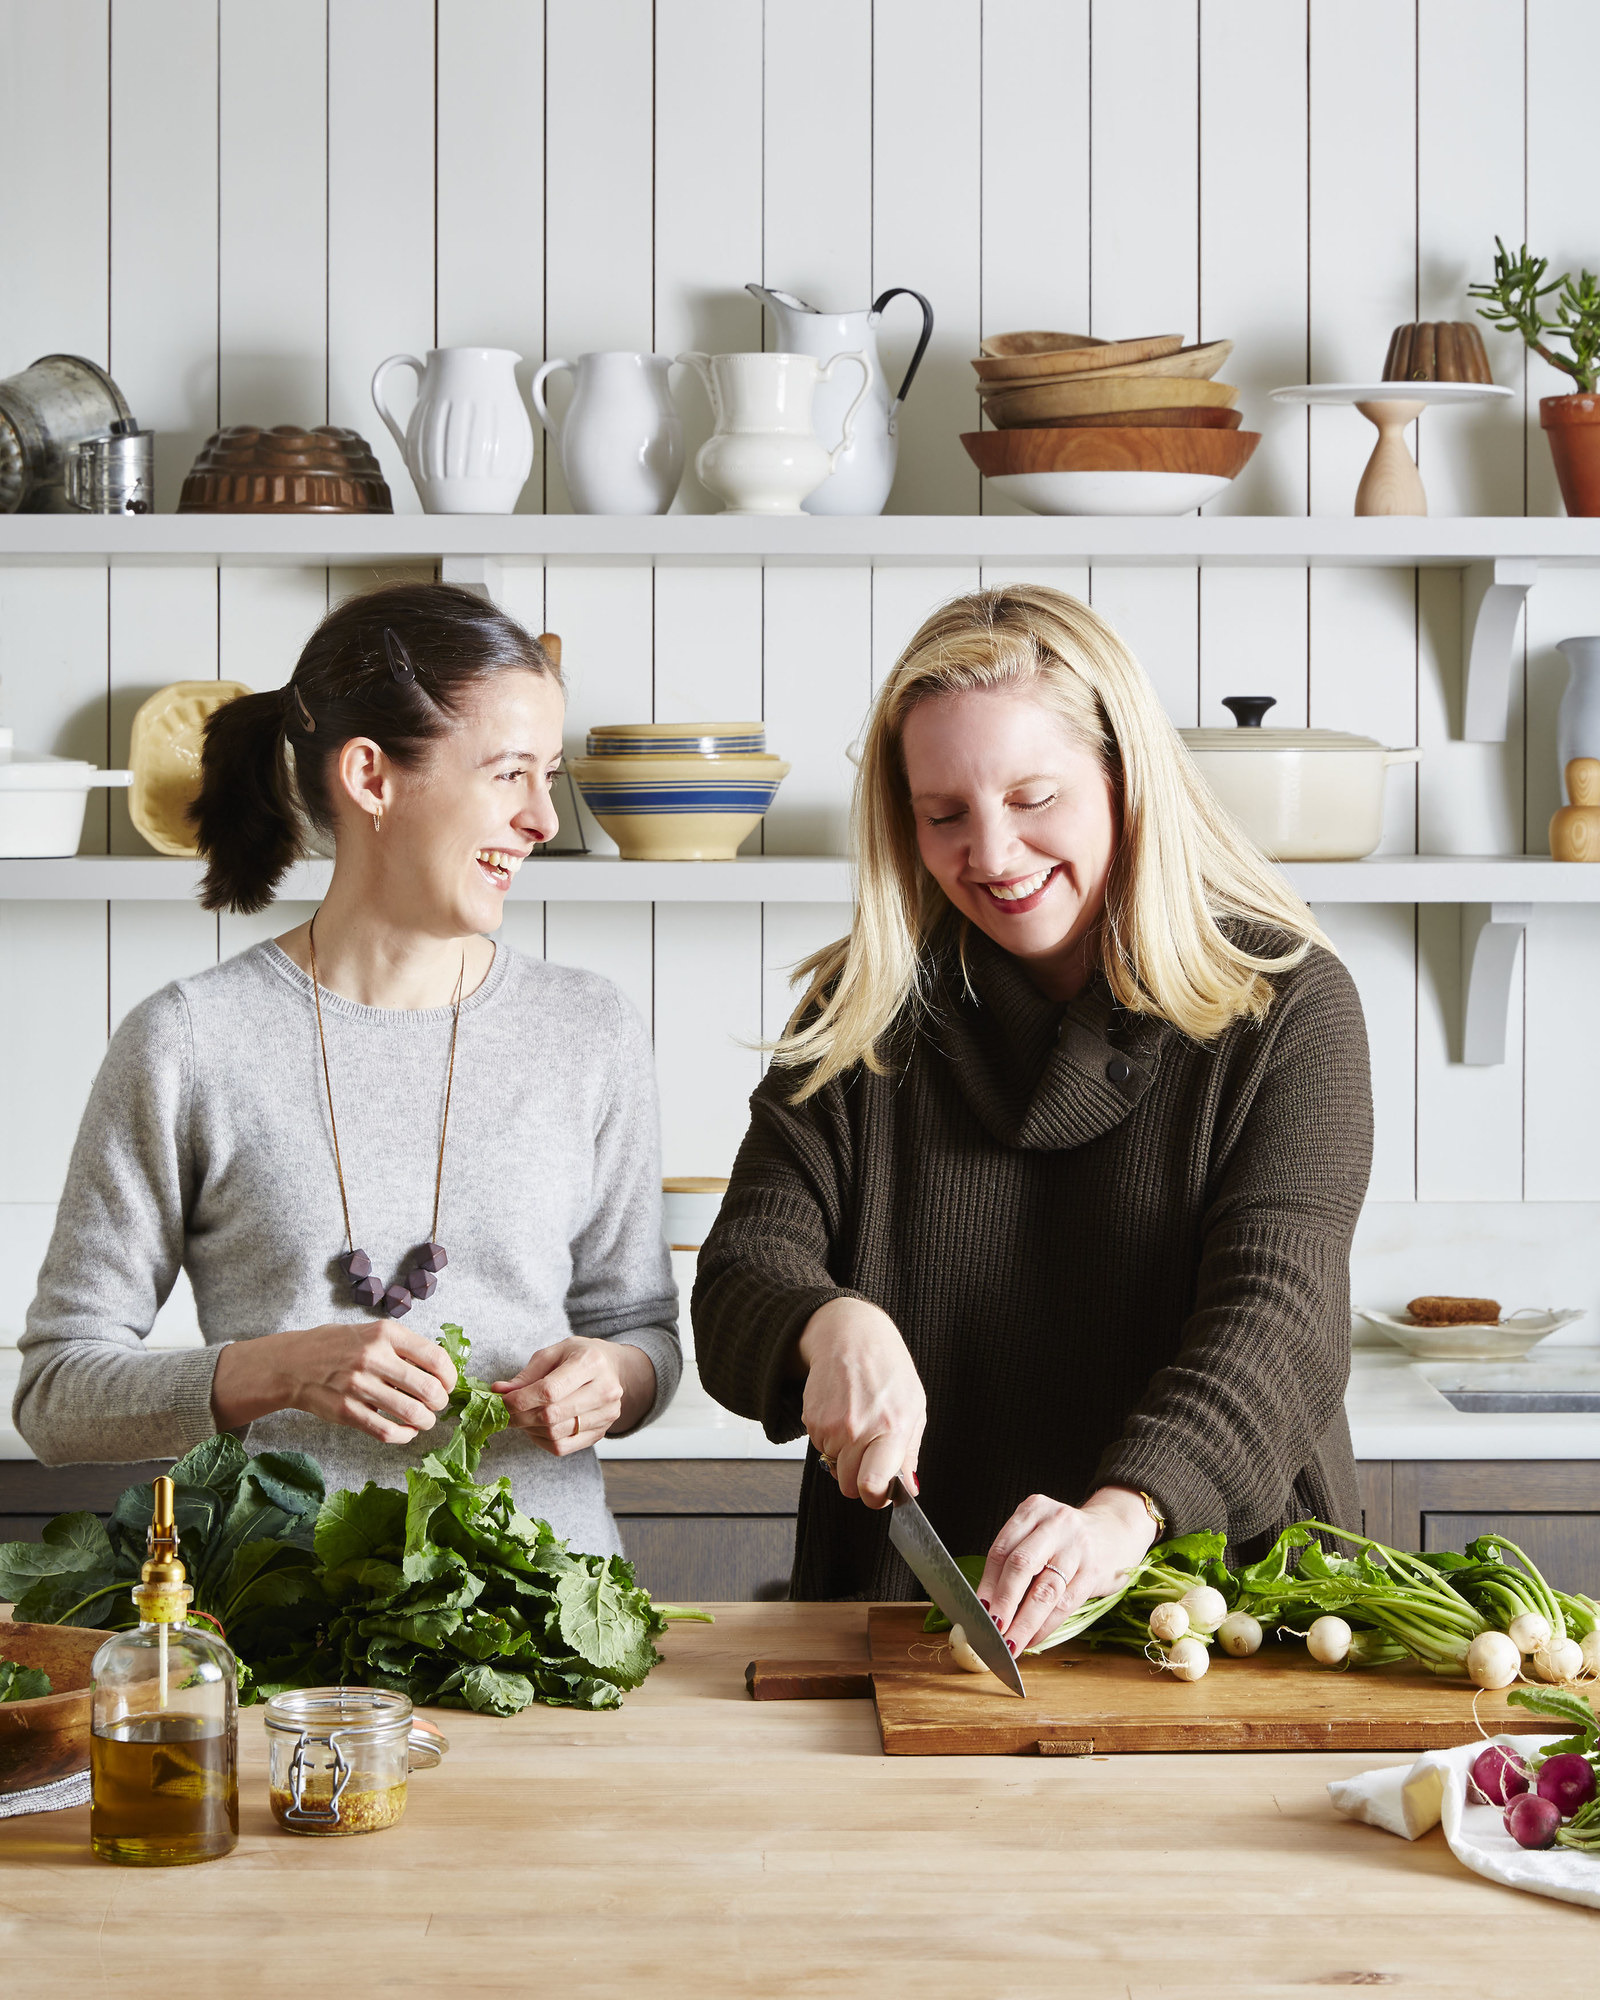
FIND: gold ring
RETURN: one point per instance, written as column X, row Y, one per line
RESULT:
column 826, row 1463
column 577, row 1423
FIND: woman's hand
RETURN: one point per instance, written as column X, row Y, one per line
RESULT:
column 373, row 1377
column 864, row 1407
column 1050, row 1558
column 572, row 1393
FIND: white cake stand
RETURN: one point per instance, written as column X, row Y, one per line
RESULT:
column 1391, row 483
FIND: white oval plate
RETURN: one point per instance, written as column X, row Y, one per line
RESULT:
column 1390, row 392
column 1109, row 492
column 1509, row 1341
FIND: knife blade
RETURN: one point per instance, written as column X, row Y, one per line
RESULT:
column 932, row 1564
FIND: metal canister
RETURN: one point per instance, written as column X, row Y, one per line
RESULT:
column 114, row 474
column 51, row 405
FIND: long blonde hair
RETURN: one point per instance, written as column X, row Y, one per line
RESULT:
column 1182, row 869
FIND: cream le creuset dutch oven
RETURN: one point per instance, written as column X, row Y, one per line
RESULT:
column 1300, row 794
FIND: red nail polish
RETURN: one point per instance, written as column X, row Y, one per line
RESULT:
column 984, row 1602
column 1011, row 1647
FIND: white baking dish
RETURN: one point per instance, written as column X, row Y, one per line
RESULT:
column 1300, row 794
column 43, row 800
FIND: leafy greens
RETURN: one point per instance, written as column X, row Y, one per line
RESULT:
column 20, row 1683
column 445, row 1591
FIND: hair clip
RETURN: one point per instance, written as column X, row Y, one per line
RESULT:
column 399, row 659
column 307, row 720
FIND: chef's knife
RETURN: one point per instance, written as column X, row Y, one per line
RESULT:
column 934, row 1568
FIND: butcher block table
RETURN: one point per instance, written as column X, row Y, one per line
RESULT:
column 699, row 1843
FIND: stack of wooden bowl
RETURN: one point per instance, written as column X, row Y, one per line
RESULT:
column 1107, row 426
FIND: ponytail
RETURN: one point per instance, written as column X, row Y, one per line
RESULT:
column 392, row 666
column 245, row 817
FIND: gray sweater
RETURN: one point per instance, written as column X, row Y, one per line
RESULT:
column 206, row 1144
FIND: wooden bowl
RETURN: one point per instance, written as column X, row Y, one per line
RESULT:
column 1199, row 361
column 1220, row 454
column 47, row 1738
column 1023, row 354
column 1191, row 416
column 1024, row 408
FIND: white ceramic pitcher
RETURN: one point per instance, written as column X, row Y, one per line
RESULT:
column 864, row 472
column 621, row 441
column 764, row 456
column 469, row 442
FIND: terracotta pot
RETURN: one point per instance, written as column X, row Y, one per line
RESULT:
column 1573, row 426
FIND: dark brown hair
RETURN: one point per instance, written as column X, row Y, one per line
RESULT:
column 392, row 665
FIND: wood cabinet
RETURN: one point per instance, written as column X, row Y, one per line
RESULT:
column 724, row 1528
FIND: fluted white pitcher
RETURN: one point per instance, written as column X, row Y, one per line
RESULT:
column 469, row 442
column 764, row 456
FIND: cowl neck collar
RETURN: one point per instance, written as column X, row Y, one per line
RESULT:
column 1038, row 1075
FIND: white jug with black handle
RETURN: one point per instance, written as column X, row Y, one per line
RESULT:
column 864, row 472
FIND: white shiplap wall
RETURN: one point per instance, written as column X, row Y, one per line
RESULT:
column 242, row 208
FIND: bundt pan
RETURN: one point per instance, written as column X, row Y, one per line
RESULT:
column 246, row 470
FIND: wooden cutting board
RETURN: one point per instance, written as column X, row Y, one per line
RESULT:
column 1081, row 1703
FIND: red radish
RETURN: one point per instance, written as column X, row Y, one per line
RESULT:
column 1532, row 1821
column 1500, row 1775
column 1567, row 1782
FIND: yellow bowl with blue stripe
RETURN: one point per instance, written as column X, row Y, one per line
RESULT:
column 677, row 739
column 687, row 808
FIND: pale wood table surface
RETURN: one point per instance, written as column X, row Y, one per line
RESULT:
column 699, row 1843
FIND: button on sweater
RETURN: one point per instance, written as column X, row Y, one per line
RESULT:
column 206, row 1144
column 1118, row 1257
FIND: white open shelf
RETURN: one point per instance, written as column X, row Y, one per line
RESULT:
column 1239, row 540
column 1498, row 894
column 797, row 878
column 1499, row 557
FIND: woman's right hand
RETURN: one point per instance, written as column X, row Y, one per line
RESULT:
column 864, row 1408
column 374, row 1377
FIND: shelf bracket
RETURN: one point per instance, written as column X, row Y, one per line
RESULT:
column 1491, row 934
column 1492, row 596
column 484, row 575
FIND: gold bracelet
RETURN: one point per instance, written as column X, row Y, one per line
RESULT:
column 1155, row 1513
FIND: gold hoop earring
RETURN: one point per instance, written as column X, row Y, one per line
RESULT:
column 377, row 819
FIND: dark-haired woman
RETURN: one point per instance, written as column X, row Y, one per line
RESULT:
column 380, row 1122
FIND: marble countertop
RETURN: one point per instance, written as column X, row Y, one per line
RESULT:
column 1396, row 1408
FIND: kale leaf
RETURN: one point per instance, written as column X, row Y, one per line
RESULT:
column 20, row 1683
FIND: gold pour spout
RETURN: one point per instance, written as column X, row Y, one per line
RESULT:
column 163, row 1571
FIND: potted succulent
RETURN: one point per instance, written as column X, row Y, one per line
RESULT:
column 1572, row 422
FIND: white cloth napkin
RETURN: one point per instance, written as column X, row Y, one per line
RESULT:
column 1411, row 1799
column 73, row 1791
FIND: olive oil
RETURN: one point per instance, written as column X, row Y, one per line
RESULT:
column 163, row 1723
column 165, row 1790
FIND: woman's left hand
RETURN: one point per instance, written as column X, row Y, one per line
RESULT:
column 572, row 1393
column 1050, row 1558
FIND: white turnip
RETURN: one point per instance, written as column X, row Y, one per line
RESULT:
column 1529, row 1632
column 962, row 1653
column 1494, row 1660
column 1206, row 1607
column 1188, row 1660
column 1328, row 1641
column 1558, row 1660
column 1168, row 1623
column 1239, row 1634
column 1589, row 1648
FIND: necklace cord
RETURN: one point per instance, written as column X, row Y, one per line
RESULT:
column 327, row 1084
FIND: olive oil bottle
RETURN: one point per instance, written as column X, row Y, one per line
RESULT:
column 164, row 1731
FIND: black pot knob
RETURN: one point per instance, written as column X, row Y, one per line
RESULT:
column 1248, row 709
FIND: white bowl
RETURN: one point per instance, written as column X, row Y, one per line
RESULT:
column 1516, row 1334
column 1109, row 492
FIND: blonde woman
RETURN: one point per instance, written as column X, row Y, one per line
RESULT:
column 1048, row 1193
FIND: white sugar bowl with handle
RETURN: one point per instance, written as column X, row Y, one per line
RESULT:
column 764, row 456
column 468, row 443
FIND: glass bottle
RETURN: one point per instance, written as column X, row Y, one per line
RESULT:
column 163, row 1725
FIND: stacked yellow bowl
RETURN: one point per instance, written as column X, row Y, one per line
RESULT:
column 678, row 791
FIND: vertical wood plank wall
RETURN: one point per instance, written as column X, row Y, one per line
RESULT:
column 257, row 204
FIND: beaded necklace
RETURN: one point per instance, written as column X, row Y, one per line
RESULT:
column 422, row 1280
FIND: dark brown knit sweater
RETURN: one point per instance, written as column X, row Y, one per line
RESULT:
column 1117, row 1257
